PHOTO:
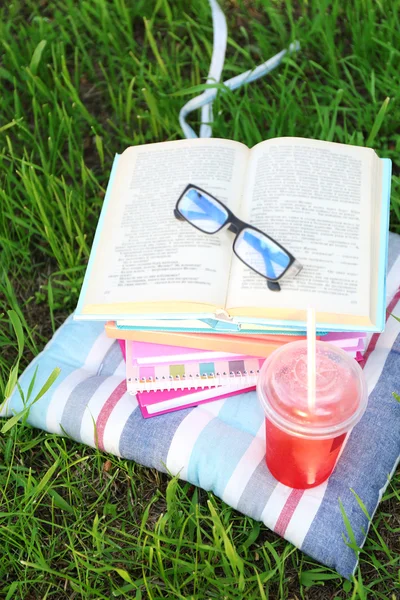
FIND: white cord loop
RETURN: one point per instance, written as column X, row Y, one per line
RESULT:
column 205, row 100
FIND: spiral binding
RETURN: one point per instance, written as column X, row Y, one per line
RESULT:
column 229, row 380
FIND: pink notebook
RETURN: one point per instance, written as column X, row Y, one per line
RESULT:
column 348, row 341
column 156, row 403
column 166, row 368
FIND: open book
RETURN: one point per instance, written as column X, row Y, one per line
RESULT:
column 327, row 203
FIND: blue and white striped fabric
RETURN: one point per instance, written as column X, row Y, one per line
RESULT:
column 220, row 446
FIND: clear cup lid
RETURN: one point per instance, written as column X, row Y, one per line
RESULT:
column 341, row 392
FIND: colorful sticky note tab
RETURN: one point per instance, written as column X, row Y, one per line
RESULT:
column 177, row 370
column 236, row 365
column 207, row 369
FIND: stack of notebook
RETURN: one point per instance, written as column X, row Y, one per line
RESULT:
column 167, row 377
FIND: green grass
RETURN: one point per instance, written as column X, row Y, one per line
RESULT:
column 79, row 82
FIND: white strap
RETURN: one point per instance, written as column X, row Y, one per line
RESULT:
column 205, row 100
column 220, row 35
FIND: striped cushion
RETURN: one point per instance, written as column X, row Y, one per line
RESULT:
column 220, row 446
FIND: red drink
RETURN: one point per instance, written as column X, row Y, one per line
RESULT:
column 303, row 443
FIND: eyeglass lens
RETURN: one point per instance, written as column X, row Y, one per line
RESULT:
column 261, row 254
column 202, row 211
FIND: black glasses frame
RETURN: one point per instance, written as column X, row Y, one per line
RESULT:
column 236, row 226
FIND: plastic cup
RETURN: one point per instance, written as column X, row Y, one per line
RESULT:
column 303, row 444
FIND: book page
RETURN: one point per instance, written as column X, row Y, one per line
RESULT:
column 144, row 254
column 315, row 199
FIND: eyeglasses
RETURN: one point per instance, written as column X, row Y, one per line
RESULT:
column 253, row 247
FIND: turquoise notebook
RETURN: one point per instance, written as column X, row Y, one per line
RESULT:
column 207, row 326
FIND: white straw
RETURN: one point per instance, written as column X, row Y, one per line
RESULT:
column 311, row 357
